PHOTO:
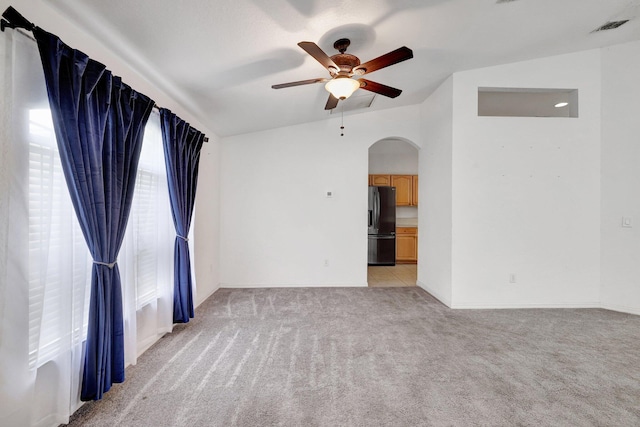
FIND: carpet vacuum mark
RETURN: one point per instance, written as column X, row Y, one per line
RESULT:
column 379, row 357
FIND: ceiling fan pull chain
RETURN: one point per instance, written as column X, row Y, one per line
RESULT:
column 342, row 122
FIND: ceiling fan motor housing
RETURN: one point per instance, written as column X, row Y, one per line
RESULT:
column 343, row 60
column 346, row 62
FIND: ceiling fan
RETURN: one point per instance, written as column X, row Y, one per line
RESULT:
column 343, row 66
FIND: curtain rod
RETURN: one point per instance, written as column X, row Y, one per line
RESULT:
column 11, row 18
column 157, row 107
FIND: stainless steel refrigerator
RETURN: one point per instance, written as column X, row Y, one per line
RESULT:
column 382, row 225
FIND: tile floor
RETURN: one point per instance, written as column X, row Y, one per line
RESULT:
column 400, row 275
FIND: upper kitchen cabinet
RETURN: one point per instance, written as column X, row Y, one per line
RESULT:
column 414, row 195
column 380, row 180
column 406, row 189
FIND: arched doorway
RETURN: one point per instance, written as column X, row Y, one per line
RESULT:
column 393, row 162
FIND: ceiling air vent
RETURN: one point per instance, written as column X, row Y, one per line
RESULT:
column 354, row 103
column 611, row 25
column 504, row 1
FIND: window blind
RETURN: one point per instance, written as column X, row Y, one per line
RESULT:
column 144, row 211
column 58, row 256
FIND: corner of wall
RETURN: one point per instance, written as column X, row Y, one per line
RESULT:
column 620, row 177
column 207, row 222
column 443, row 297
column 434, row 221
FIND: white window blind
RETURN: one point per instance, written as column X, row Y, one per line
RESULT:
column 150, row 226
column 59, row 264
column 143, row 213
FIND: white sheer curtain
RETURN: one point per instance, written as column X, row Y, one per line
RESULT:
column 44, row 261
column 15, row 375
column 146, row 256
column 42, row 336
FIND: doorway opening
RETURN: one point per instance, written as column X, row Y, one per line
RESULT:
column 393, row 163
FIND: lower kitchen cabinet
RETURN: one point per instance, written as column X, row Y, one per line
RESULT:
column 406, row 245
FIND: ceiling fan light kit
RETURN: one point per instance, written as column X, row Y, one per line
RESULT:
column 342, row 87
column 343, row 66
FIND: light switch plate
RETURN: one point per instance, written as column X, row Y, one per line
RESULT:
column 626, row 222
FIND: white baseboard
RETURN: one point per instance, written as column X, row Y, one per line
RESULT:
column 612, row 307
column 292, row 285
column 621, row 308
column 472, row 306
column 442, row 298
column 206, row 297
column 146, row 344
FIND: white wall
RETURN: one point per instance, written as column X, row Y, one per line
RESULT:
column 277, row 226
column 49, row 18
column 435, row 192
column 526, row 191
column 206, row 222
column 621, row 177
column 393, row 156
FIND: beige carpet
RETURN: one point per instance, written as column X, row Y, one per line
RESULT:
column 379, row 357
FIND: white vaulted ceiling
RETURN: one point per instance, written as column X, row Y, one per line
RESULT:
column 220, row 57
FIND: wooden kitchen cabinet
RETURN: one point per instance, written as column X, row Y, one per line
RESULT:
column 414, row 188
column 380, row 180
column 404, row 189
column 406, row 245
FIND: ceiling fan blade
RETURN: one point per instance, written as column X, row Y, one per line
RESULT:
column 389, row 91
column 398, row 55
column 332, row 103
column 299, row 83
column 314, row 50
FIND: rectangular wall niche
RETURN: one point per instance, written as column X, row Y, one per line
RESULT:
column 522, row 102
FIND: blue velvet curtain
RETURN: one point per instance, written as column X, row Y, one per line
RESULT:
column 99, row 124
column 182, row 145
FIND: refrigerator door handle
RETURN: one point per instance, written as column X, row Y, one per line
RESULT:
column 377, row 208
column 370, row 217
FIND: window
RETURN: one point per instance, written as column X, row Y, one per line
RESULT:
column 150, row 230
column 522, row 102
column 59, row 264
column 144, row 227
column 44, row 260
column 59, row 260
